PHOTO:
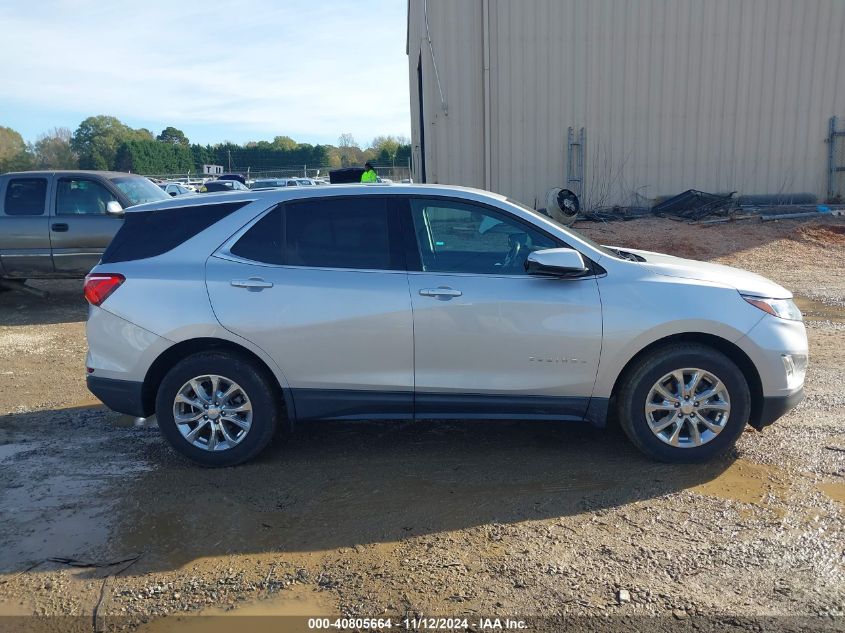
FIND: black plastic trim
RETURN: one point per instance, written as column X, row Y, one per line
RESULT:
column 597, row 411
column 349, row 404
column 123, row 396
column 498, row 407
column 352, row 404
column 776, row 406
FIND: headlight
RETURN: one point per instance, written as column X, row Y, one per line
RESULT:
column 783, row 308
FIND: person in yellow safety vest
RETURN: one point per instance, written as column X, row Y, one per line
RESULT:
column 369, row 174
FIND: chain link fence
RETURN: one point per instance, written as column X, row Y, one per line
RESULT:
column 395, row 173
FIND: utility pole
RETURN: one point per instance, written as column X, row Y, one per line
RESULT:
column 230, row 158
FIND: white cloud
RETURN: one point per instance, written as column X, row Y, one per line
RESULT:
column 257, row 67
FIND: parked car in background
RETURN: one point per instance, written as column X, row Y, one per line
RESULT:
column 269, row 183
column 275, row 183
column 56, row 224
column 175, row 189
column 424, row 301
column 216, row 186
column 238, row 177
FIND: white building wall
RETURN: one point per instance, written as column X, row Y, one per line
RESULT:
column 718, row 95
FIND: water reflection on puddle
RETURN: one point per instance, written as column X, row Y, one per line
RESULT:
column 131, row 422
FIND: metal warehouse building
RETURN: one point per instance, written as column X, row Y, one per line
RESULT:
column 622, row 100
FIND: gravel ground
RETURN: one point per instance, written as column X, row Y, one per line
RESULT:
column 450, row 519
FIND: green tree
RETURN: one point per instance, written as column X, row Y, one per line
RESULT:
column 146, row 156
column 174, row 136
column 284, row 143
column 53, row 150
column 97, row 138
column 386, row 145
column 14, row 154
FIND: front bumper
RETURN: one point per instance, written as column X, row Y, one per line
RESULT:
column 123, row 396
column 774, row 407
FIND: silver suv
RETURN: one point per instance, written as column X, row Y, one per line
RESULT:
column 228, row 315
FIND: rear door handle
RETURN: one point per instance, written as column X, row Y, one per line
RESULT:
column 440, row 292
column 59, row 227
column 252, row 282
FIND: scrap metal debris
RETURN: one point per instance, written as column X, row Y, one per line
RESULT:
column 695, row 205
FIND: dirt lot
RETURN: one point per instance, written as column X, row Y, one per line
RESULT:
column 472, row 519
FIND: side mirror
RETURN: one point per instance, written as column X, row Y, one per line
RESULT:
column 113, row 208
column 558, row 262
column 173, row 193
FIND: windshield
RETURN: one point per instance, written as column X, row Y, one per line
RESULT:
column 139, row 190
column 602, row 249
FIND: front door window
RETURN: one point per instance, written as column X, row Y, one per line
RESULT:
column 456, row 237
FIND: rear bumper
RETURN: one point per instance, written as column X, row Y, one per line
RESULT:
column 123, row 396
column 775, row 406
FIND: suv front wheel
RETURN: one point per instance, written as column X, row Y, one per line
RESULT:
column 685, row 403
column 217, row 409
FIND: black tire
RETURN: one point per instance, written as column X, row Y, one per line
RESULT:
column 651, row 368
column 254, row 381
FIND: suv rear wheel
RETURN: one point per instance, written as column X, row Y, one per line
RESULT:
column 685, row 403
column 217, row 409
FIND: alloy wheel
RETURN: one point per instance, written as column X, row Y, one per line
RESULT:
column 688, row 407
column 212, row 412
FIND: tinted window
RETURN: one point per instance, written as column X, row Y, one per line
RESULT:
column 220, row 185
column 340, row 233
column 150, row 233
column 80, row 196
column 456, row 237
column 263, row 241
column 26, row 196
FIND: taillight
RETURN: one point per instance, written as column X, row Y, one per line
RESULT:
column 98, row 286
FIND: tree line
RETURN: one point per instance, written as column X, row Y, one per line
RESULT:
column 106, row 143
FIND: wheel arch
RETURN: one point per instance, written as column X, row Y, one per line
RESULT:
column 175, row 353
column 731, row 350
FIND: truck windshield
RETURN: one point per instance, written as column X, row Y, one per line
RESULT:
column 139, row 190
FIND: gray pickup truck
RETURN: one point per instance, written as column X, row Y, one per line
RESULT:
column 56, row 224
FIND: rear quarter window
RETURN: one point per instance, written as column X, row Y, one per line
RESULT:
column 147, row 234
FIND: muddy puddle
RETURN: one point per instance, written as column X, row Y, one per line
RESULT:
column 283, row 611
column 835, row 491
column 747, row 482
column 819, row 311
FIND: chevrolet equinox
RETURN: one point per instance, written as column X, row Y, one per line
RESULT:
column 230, row 314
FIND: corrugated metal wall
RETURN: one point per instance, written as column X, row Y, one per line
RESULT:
column 718, row 95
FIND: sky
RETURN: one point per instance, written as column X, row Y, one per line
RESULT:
column 219, row 71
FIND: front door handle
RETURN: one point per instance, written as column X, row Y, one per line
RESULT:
column 440, row 292
column 59, row 227
column 252, row 282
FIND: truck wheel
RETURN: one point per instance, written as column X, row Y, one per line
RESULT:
column 685, row 403
column 217, row 409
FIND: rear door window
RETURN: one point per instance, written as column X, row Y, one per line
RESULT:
column 341, row 233
column 25, row 196
column 263, row 241
column 353, row 233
